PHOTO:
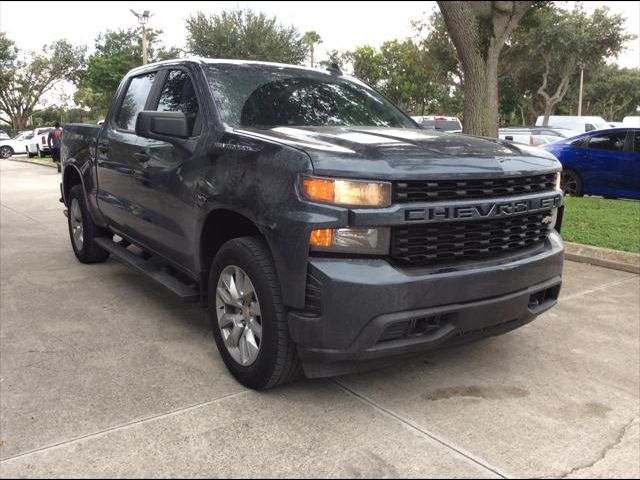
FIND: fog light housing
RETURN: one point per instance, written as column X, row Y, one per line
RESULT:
column 365, row 241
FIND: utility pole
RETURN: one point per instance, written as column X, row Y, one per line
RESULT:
column 143, row 19
column 581, row 65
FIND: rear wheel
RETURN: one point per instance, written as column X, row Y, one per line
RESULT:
column 6, row 152
column 82, row 230
column 247, row 315
column 571, row 183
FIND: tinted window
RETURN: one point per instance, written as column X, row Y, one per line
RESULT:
column 581, row 142
column 178, row 95
column 637, row 142
column 610, row 141
column 264, row 97
column 134, row 100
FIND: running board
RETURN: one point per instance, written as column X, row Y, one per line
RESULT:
column 187, row 293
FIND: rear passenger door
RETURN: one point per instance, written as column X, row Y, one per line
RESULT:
column 162, row 177
column 118, row 195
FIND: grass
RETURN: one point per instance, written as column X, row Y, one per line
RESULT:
column 603, row 223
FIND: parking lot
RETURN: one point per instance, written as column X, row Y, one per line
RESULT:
column 103, row 373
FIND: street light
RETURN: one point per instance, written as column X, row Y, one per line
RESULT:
column 143, row 19
column 581, row 66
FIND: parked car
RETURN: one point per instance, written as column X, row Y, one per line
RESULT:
column 320, row 234
column 579, row 124
column 39, row 143
column 632, row 121
column 604, row 162
column 16, row 145
column 439, row 122
column 4, row 135
column 535, row 136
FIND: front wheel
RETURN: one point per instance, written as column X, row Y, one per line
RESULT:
column 82, row 230
column 29, row 154
column 247, row 315
column 571, row 183
column 6, row 152
column 40, row 153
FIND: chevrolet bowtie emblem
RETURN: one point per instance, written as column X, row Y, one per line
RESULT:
column 547, row 220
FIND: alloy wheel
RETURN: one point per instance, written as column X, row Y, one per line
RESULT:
column 238, row 315
column 75, row 221
column 569, row 183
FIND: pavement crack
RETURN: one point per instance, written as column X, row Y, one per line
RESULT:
column 435, row 438
column 603, row 453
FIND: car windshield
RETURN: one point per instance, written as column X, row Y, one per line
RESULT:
column 266, row 96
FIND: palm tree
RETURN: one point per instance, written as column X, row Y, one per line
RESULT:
column 311, row 39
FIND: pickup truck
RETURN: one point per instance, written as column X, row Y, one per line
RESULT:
column 326, row 231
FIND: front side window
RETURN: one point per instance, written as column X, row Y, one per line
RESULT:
column 178, row 95
column 637, row 142
column 134, row 101
column 613, row 142
column 264, row 96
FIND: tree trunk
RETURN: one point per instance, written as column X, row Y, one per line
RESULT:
column 478, row 31
column 548, row 110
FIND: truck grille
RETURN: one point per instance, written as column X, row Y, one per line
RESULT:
column 478, row 239
column 422, row 191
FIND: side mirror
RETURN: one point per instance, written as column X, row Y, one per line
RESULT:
column 167, row 126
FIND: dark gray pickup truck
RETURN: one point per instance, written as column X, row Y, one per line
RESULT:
column 326, row 232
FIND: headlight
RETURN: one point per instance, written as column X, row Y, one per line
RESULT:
column 373, row 241
column 354, row 193
column 558, row 180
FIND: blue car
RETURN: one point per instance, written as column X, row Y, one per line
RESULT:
column 601, row 162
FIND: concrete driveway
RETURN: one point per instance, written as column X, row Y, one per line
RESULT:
column 103, row 373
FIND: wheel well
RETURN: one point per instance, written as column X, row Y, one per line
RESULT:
column 220, row 227
column 71, row 179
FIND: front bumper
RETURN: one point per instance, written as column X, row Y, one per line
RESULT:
column 371, row 311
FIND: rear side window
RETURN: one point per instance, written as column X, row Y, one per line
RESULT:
column 178, row 95
column 134, row 101
column 613, row 142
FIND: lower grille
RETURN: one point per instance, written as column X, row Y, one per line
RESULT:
column 469, row 240
column 413, row 328
column 313, row 295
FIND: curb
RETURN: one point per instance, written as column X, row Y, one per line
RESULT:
column 32, row 162
column 602, row 257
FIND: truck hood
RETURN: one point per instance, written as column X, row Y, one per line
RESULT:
column 388, row 153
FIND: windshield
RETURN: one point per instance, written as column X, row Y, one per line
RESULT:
column 265, row 96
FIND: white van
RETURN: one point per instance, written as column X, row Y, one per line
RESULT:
column 633, row 121
column 579, row 124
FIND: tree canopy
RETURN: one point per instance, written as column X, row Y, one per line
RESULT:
column 245, row 35
column 25, row 78
column 116, row 52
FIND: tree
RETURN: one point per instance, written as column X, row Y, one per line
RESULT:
column 562, row 40
column 311, row 38
column 245, row 35
column 609, row 91
column 116, row 52
column 479, row 30
column 399, row 70
column 26, row 78
column 335, row 57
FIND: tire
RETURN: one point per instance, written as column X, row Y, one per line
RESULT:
column 276, row 361
column 571, row 183
column 29, row 154
column 82, row 230
column 6, row 152
column 40, row 152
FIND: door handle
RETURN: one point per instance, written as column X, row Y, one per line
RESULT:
column 142, row 157
column 103, row 147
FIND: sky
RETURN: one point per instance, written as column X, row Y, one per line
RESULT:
column 342, row 25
